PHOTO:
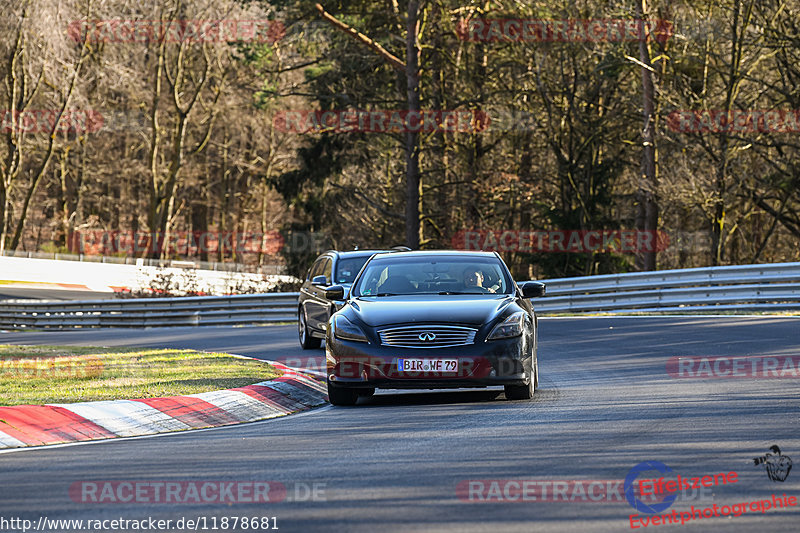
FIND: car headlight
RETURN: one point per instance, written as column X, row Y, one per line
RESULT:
column 346, row 330
column 510, row 327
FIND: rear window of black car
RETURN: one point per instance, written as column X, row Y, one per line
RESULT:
column 348, row 268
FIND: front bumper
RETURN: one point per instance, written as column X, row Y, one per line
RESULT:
column 482, row 364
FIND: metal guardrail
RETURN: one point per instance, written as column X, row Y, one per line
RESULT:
column 150, row 312
column 765, row 288
column 772, row 287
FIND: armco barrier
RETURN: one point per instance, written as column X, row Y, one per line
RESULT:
column 767, row 288
column 772, row 287
column 150, row 312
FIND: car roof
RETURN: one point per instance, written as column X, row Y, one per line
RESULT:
column 357, row 253
column 443, row 253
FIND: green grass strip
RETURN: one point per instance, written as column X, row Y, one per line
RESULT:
column 64, row 374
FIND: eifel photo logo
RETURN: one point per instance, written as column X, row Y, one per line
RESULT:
column 778, row 466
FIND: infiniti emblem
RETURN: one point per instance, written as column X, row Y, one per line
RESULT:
column 427, row 337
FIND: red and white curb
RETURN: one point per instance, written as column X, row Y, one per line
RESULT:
column 38, row 425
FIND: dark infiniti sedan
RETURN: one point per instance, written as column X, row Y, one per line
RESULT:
column 430, row 320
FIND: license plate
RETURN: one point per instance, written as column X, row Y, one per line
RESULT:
column 427, row 365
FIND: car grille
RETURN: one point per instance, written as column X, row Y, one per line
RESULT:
column 420, row 336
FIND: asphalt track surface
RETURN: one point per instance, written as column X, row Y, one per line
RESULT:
column 393, row 463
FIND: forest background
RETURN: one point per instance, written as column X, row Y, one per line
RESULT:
column 182, row 130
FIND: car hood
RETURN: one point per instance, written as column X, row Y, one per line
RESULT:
column 445, row 309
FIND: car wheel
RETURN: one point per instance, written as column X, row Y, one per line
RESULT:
column 306, row 340
column 341, row 395
column 524, row 392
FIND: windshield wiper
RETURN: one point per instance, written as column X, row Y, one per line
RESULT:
column 457, row 292
column 386, row 294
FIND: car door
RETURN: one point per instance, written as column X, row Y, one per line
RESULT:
column 317, row 305
column 308, row 290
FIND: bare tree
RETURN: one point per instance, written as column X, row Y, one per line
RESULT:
column 33, row 62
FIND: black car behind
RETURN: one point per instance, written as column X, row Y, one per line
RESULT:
column 314, row 310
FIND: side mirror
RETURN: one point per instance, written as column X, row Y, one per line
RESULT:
column 532, row 289
column 334, row 292
column 319, row 280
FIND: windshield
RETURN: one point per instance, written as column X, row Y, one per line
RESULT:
column 433, row 275
column 348, row 268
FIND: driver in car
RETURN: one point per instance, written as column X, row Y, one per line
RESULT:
column 474, row 278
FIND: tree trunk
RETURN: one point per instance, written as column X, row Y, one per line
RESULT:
column 412, row 137
column 647, row 216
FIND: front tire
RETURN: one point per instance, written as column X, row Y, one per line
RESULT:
column 524, row 392
column 306, row 340
column 342, row 395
